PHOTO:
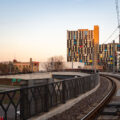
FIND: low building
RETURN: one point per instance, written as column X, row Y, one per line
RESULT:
column 75, row 65
column 25, row 67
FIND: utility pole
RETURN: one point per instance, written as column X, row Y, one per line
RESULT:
column 72, row 62
column 72, row 53
column 113, row 56
column 93, row 56
column 10, row 68
column 31, row 65
column 95, row 60
column 118, row 19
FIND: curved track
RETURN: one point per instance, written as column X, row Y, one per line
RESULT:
column 112, row 110
column 99, row 112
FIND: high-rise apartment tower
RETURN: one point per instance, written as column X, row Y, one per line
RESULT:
column 83, row 46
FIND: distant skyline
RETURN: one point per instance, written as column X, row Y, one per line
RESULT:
column 38, row 28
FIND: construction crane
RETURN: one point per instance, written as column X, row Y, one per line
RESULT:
column 118, row 19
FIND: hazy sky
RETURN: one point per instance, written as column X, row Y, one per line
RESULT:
column 38, row 28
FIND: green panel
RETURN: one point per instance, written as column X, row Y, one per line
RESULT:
column 14, row 80
column 18, row 80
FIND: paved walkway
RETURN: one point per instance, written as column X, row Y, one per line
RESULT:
column 42, row 75
column 7, row 87
column 71, row 73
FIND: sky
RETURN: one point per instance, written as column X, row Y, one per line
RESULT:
column 38, row 28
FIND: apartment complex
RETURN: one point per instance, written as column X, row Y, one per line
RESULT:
column 31, row 66
column 108, row 54
column 81, row 44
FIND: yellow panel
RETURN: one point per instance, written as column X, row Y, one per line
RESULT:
column 111, row 58
column 90, row 60
column 101, row 56
column 96, row 34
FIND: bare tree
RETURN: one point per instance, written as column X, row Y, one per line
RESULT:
column 46, row 66
column 54, row 63
column 6, row 68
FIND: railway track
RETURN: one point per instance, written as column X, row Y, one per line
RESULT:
column 109, row 107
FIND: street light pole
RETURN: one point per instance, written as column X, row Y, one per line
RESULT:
column 72, row 53
column 93, row 57
column 113, row 56
column 10, row 68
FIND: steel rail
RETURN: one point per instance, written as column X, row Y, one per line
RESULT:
column 96, row 110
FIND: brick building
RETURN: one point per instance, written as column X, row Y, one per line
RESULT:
column 31, row 66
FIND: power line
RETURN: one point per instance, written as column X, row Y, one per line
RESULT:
column 118, row 19
column 116, row 37
column 117, row 10
column 111, row 35
column 118, row 27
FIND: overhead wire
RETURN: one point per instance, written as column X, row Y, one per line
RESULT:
column 117, row 10
column 111, row 41
column 116, row 37
column 110, row 36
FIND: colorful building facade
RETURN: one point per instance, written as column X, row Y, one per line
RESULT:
column 81, row 44
column 107, row 55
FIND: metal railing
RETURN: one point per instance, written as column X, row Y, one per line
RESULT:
column 21, row 104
